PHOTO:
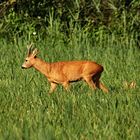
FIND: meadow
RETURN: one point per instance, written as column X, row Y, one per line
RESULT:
column 28, row 112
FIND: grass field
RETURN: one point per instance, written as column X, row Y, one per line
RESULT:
column 27, row 112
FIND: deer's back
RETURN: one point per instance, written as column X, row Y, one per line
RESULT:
column 74, row 70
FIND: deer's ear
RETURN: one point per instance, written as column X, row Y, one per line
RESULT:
column 35, row 52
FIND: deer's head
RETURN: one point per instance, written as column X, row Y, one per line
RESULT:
column 31, row 56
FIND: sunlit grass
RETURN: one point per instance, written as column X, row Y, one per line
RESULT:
column 28, row 112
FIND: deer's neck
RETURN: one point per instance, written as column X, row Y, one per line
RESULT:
column 42, row 66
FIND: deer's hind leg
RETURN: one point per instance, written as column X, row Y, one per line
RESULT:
column 90, row 82
column 96, row 79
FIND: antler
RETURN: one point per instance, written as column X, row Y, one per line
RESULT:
column 29, row 48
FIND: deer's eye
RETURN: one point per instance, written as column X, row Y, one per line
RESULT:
column 26, row 60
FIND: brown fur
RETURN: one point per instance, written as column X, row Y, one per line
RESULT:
column 66, row 72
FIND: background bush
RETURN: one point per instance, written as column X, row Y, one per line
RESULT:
column 24, row 17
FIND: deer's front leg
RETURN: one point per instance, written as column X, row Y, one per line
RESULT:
column 53, row 87
column 66, row 85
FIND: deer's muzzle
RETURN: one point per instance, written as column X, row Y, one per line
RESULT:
column 23, row 67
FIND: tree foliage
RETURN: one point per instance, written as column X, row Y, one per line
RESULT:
column 122, row 16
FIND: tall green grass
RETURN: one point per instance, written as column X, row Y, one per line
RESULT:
column 28, row 112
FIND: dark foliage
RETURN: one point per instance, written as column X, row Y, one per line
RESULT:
column 121, row 16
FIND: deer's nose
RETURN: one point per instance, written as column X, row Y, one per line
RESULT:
column 22, row 67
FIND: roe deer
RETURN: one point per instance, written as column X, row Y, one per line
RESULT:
column 66, row 72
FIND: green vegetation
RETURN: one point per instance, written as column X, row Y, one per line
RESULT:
column 28, row 112
column 26, row 109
